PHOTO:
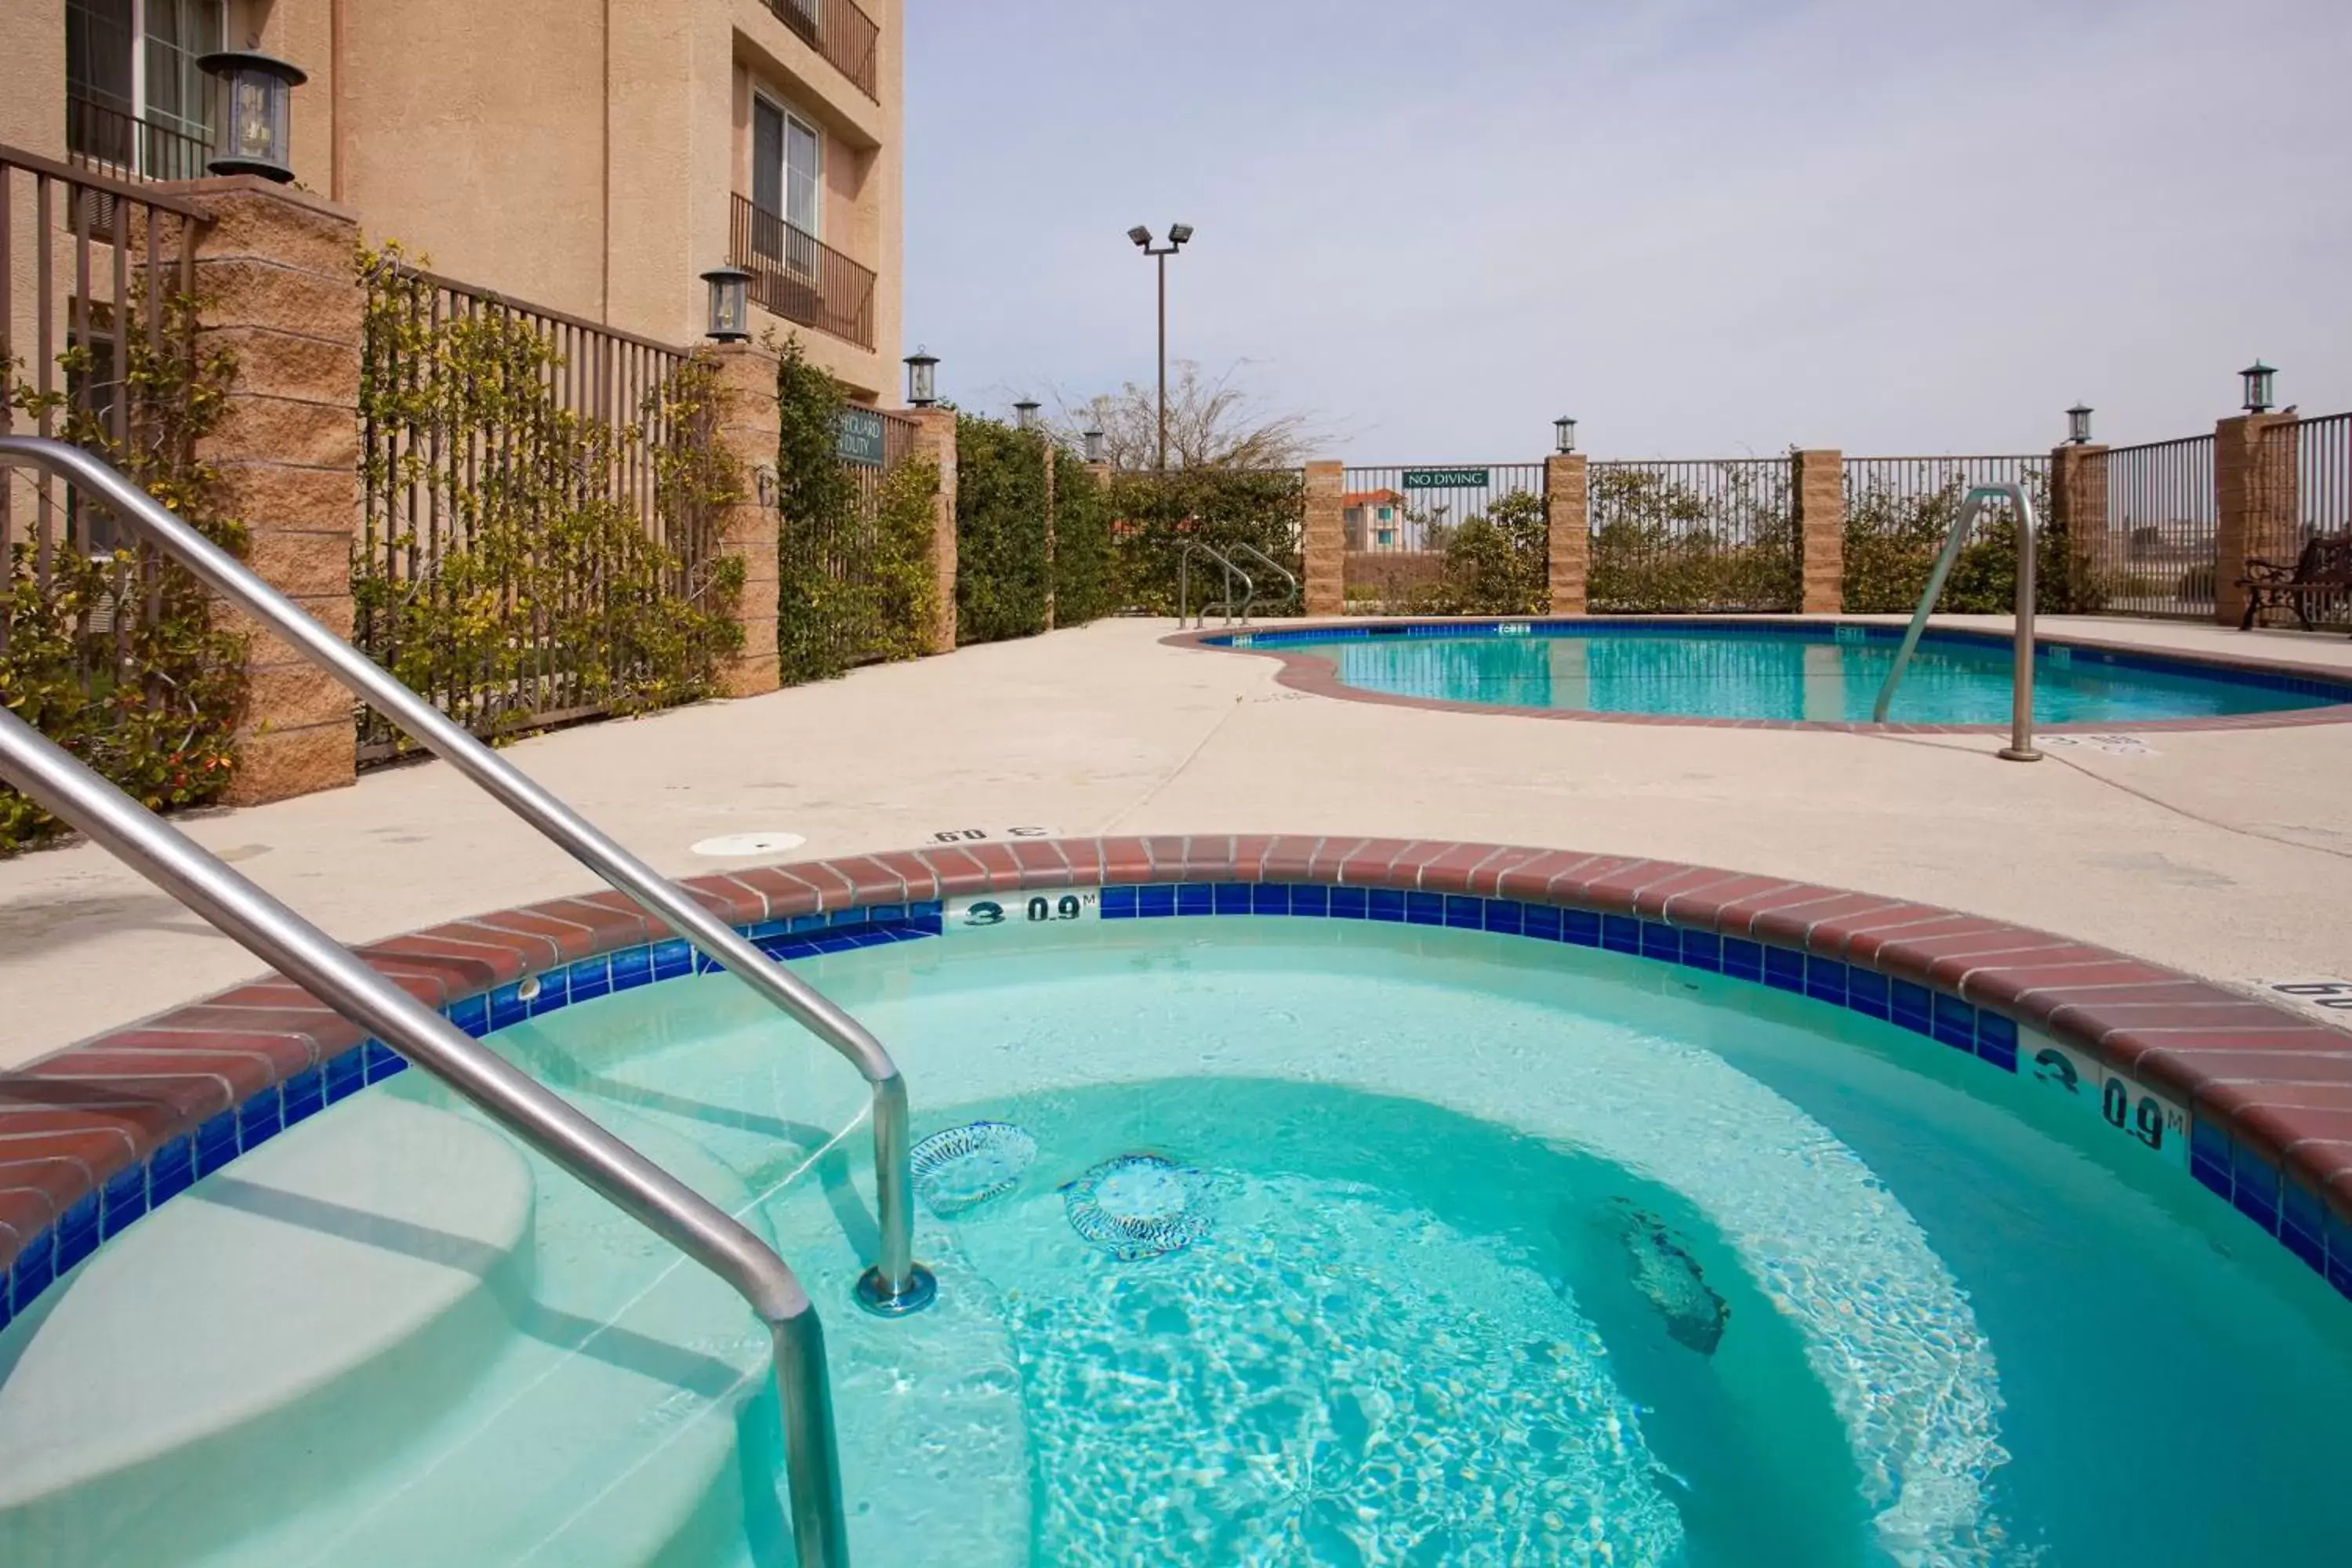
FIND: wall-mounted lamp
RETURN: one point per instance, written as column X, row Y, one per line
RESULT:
column 730, row 304
column 255, row 88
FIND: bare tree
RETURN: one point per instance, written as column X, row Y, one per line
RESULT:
column 1212, row 423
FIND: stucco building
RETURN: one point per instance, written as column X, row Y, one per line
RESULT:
column 591, row 156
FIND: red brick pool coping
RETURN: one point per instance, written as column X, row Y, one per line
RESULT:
column 1308, row 670
column 2273, row 1079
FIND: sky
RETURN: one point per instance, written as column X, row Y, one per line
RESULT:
column 1703, row 228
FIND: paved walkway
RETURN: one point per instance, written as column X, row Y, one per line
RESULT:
column 2228, row 853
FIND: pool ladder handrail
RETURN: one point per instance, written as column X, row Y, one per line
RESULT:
column 1184, row 555
column 1289, row 578
column 268, row 929
column 897, row 1284
column 2021, row 704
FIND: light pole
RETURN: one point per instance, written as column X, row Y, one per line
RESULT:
column 1178, row 232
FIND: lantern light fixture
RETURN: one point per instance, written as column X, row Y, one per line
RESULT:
column 730, row 304
column 1093, row 437
column 2257, row 378
column 922, row 378
column 2078, row 424
column 1564, row 434
column 253, row 123
column 1024, row 414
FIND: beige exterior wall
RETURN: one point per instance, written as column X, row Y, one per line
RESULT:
column 579, row 154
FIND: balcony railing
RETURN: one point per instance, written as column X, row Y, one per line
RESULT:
column 110, row 141
column 839, row 31
column 799, row 276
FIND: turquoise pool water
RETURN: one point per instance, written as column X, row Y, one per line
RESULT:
column 1484, row 1252
column 1759, row 673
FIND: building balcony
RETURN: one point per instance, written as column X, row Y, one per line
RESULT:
column 799, row 276
column 839, row 31
column 108, row 140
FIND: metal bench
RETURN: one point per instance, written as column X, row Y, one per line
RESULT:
column 2321, row 577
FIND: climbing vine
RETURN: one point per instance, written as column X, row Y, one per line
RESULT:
column 1085, row 554
column 854, row 577
column 524, row 562
column 106, row 646
column 1218, row 507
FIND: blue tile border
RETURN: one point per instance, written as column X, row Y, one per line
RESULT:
column 2236, row 1173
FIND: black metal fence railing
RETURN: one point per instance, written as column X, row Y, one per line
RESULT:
column 110, row 141
column 2155, row 552
column 839, row 31
column 2303, row 476
column 1704, row 535
column 1404, row 508
column 92, row 350
column 451, row 441
column 1898, row 512
column 799, row 276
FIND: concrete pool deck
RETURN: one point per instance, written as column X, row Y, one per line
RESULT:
column 2224, row 853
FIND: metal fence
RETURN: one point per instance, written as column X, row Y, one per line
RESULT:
column 458, row 446
column 2155, row 553
column 1407, row 509
column 108, row 140
column 2303, row 476
column 839, row 31
column 799, row 276
column 92, row 350
column 1898, row 512
column 1699, row 535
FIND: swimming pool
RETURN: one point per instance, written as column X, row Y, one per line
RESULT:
column 1347, row 1224
column 1773, row 672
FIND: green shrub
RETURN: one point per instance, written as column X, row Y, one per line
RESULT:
column 1085, row 560
column 1001, row 571
column 1220, row 508
column 1497, row 564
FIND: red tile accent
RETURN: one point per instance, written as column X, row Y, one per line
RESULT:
column 2280, row 1080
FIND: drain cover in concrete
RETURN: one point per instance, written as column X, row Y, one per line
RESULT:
column 737, row 845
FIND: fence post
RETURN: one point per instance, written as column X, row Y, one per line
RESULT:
column 2078, row 515
column 935, row 439
column 1817, row 484
column 1052, row 455
column 277, row 288
column 1568, row 526
column 1325, row 546
column 2254, row 504
column 750, row 426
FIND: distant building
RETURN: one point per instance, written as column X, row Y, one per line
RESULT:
column 594, row 159
column 1372, row 519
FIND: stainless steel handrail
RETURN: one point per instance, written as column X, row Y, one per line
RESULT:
column 516, row 1101
column 1290, row 594
column 897, row 1284
column 1185, row 585
column 2020, row 702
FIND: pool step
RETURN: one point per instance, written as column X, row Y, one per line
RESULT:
column 249, row 1346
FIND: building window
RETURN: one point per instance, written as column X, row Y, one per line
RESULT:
column 1387, row 514
column 134, row 96
column 787, row 186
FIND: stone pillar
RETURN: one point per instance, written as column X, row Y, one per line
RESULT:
column 1568, row 528
column 1817, row 485
column 748, row 429
column 274, row 274
column 935, row 440
column 2078, row 514
column 2254, row 503
column 1325, row 545
column 1052, row 454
